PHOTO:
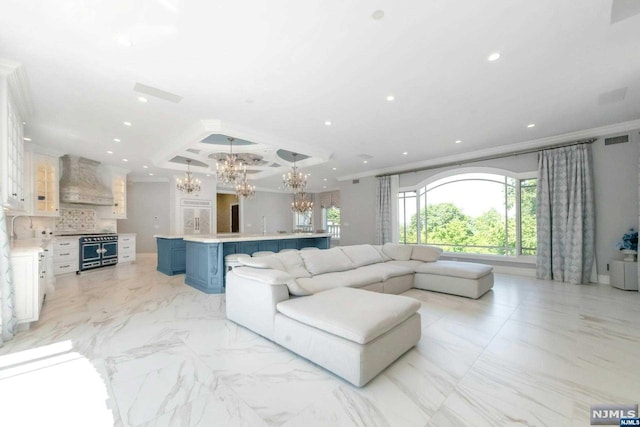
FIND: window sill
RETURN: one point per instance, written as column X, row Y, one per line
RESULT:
column 522, row 259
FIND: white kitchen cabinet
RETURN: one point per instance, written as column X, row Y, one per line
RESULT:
column 196, row 216
column 28, row 267
column 126, row 247
column 624, row 275
column 66, row 255
column 45, row 176
column 14, row 109
column 116, row 179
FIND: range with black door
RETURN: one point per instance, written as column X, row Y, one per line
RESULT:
column 98, row 251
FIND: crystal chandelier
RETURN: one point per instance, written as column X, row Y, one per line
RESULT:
column 190, row 184
column 295, row 180
column 300, row 203
column 243, row 188
column 229, row 170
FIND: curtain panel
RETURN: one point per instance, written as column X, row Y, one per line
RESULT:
column 8, row 321
column 383, row 210
column 565, row 215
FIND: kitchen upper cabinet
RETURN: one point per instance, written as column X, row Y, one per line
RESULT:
column 116, row 179
column 46, row 176
column 15, row 107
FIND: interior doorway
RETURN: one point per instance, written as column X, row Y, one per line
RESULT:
column 235, row 218
column 224, row 213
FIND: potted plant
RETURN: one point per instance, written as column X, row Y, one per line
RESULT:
column 629, row 244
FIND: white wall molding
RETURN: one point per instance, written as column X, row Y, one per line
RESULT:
column 505, row 149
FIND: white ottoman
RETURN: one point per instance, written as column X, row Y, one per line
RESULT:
column 353, row 333
column 467, row 279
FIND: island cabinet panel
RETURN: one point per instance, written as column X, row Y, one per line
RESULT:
column 287, row 244
column 172, row 256
column 205, row 267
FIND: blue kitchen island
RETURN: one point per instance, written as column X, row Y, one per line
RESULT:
column 204, row 254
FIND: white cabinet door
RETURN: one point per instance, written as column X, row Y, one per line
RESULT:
column 11, row 130
column 188, row 220
column 29, row 285
column 196, row 216
column 46, row 201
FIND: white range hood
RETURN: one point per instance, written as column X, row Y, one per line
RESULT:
column 80, row 183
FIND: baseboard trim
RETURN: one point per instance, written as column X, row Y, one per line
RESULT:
column 604, row 279
column 516, row 271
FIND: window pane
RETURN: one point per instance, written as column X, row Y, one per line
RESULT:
column 408, row 218
column 468, row 215
column 401, row 224
column 528, row 189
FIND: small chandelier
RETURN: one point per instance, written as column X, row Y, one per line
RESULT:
column 229, row 170
column 243, row 188
column 300, row 203
column 190, row 184
column 295, row 180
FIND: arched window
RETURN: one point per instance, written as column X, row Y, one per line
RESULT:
column 474, row 212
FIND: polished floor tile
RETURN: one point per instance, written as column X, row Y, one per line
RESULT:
column 129, row 346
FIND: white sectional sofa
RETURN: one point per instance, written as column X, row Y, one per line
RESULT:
column 314, row 302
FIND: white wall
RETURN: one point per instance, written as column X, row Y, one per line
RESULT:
column 615, row 172
column 275, row 207
column 147, row 213
column 358, row 212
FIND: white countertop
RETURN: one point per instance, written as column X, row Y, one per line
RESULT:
column 28, row 245
column 168, row 236
column 236, row 237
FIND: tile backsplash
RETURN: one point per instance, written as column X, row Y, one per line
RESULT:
column 75, row 218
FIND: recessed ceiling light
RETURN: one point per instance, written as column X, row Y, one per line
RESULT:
column 405, row 153
column 116, row 139
column 377, row 15
column 127, row 123
column 324, row 179
column 324, row 186
column 26, row 138
column 145, row 167
column 494, row 56
column 327, row 123
column 142, row 99
column 365, row 161
column 458, row 141
column 109, row 152
column 390, row 98
column 125, row 160
column 125, row 41
column 531, row 125
column 208, row 174
column 24, row 123
column 150, row 173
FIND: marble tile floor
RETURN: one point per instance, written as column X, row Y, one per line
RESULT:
column 128, row 346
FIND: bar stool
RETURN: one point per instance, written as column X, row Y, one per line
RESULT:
column 233, row 260
column 262, row 253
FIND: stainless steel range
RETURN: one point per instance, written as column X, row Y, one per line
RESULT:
column 98, row 251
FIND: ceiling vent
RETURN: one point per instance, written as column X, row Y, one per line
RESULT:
column 610, row 97
column 355, row 181
column 157, row 93
column 616, row 140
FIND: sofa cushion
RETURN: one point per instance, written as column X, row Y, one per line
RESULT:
column 293, row 264
column 398, row 252
column 385, row 271
column 426, row 253
column 412, row 264
column 326, row 261
column 362, row 255
column 465, row 270
column 354, row 314
column 384, row 256
column 263, row 262
column 352, row 279
column 269, row 276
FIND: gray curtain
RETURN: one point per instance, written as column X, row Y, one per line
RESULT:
column 8, row 322
column 383, row 210
column 565, row 215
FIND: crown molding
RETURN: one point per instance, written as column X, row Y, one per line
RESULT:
column 18, row 84
column 597, row 133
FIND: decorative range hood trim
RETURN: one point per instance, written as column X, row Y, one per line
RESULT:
column 80, row 183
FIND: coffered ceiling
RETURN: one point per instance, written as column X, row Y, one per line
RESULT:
column 358, row 86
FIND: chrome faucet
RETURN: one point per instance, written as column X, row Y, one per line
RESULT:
column 14, row 235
